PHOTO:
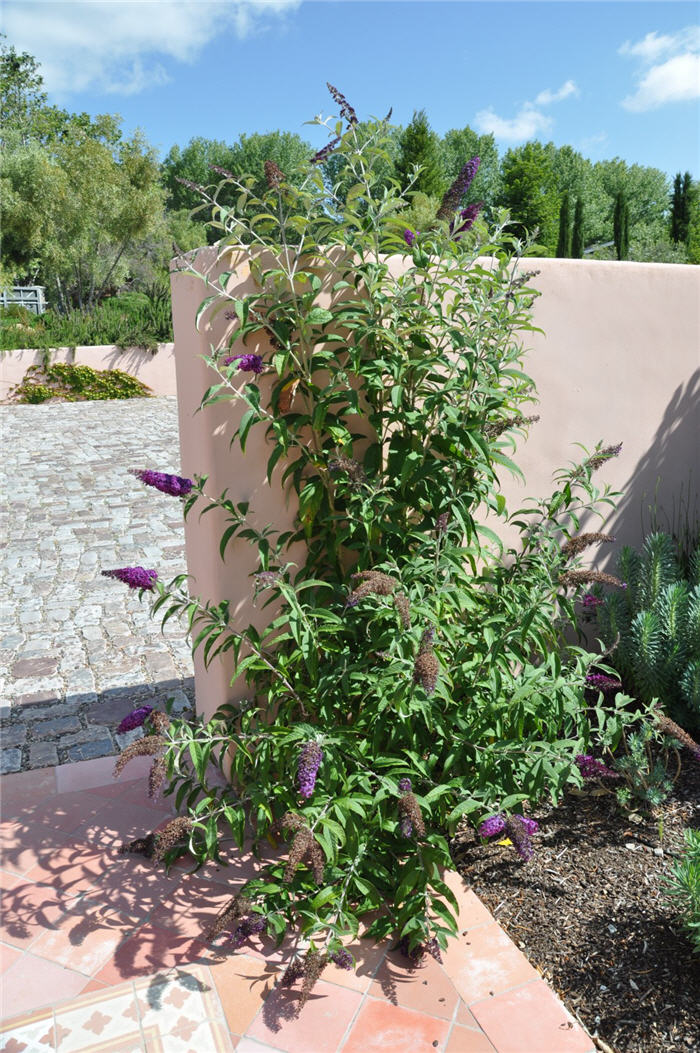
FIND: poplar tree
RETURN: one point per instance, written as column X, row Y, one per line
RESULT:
column 621, row 218
column 681, row 207
column 577, row 242
column 564, row 242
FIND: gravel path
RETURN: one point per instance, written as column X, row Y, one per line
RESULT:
column 77, row 650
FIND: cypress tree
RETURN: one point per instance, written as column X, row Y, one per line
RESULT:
column 564, row 242
column 419, row 145
column 677, row 209
column 621, row 218
column 577, row 242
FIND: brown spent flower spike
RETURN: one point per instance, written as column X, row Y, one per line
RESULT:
column 156, row 776
column 574, row 545
column 346, row 110
column 314, row 964
column 148, row 746
column 410, row 816
column 373, row 582
column 675, row 731
column 300, row 848
column 237, row 907
column 495, row 428
column 158, row 721
column 274, row 176
column 142, row 846
column 172, row 834
column 404, row 610
column 574, row 578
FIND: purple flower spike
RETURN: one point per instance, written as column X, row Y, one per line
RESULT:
column 591, row 768
column 134, row 577
column 601, row 682
column 135, row 719
column 492, row 826
column 531, row 825
column 405, row 785
column 174, row 485
column 467, row 215
column 309, row 762
column 590, row 602
column 248, row 363
column 251, row 926
column 409, row 237
column 342, row 958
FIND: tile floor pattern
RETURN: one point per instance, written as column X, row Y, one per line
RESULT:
column 102, row 952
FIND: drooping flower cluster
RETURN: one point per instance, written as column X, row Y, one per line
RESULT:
column 172, row 834
column 265, row 579
column 134, row 577
column 455, row 193
column 274, row 176
column 417, row 953
column 409, row 237
column 148, row 746
column 495, row 428
column 496, row 824
column 426, row 668
column 410, row 816
column 601, row 682
column 310, row 759
column 308, row 968
column 675, row 731
column 589, row 601
column 441, row 524
column 253, row 925
column 372, row 582
column 574, row 578
column 232, row 911
column 325, row 151
column 135, row 719
column 174, row 485
column 592, row 768
column 467, row 216
column 518, row 830
column 342, row 958
column 404, row 609
column 304, row 847
column 574, row 545
column 596, row 460
column 352, row 468
column 346, row 111
column 222, row 171
column 248, row 363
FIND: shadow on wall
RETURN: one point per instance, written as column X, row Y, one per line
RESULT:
column 648, row 500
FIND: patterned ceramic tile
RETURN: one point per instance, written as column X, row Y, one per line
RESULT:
column 30, row 1033
column 88, row 1022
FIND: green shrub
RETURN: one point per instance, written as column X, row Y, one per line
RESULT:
column 134, row 319
column 415, row 676
column 683, row 887
column 73, row 383
column 657, row 619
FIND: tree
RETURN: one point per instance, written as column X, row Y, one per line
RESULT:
column 621, row 218
column 419, row 145
column 564, row 241
column 529, row 192
column 21, row 94
column 681, row 206
column 577, row 240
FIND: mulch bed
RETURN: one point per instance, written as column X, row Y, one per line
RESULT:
column 589, row 912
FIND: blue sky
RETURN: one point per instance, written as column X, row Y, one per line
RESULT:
column 612, row 79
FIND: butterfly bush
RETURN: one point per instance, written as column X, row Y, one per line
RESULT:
column 415, row 676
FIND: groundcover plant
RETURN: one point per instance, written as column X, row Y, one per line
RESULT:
column 414, row 675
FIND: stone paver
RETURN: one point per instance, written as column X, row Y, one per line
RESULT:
column 78, row 651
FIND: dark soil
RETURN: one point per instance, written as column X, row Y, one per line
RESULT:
column 589, row 912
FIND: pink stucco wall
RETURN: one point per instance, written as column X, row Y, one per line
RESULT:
column 619, row 361
column 156, row 371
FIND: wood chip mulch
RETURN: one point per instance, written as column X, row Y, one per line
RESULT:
column 589, row 912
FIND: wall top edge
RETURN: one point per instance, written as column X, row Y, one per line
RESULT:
column 88, row 347
column 209, row 255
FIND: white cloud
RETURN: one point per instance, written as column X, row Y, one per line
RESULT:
column 675, row 79
column 525, row 125
column 529, row 121
column 118, row 46
column 546, row 97
column 654, row 46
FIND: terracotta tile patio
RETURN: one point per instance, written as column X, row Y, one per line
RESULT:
column 100, row 951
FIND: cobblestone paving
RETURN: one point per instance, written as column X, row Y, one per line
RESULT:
column 78, row 651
